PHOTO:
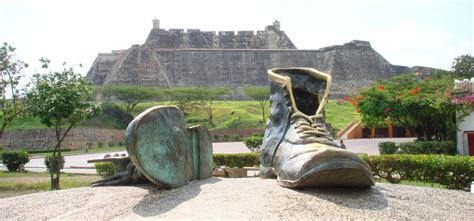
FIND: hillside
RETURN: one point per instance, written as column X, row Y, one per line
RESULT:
column 227, row 114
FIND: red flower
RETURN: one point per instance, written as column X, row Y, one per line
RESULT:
column 350, row 100
column 381, row 88
column 415, row 91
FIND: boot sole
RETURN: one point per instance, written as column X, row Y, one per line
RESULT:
column 165, row 151
column 336, row 174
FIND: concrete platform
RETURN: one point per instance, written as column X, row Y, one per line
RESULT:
column 243, row 198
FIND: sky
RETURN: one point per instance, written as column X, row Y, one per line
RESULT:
column 411, row 33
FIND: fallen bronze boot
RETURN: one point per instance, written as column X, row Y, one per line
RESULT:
column 165, row 151
column 297, row 148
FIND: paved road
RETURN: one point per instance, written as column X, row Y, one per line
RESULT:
column 78, row 163
column 370, row 146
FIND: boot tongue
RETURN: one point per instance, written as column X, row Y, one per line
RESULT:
column 306, row 129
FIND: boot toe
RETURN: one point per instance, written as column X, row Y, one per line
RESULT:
column 325, row 166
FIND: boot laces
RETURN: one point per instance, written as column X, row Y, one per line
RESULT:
column 307, row 126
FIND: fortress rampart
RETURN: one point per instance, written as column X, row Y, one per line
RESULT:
column 179, row 58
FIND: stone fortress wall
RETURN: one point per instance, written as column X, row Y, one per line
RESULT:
column 271, row 38
column 45, row 139
column 178, row 58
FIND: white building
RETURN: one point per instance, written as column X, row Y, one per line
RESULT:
column 465, row 135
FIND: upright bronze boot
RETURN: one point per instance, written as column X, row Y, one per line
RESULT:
column 297, row 148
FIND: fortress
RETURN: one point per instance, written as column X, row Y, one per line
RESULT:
column 179, row 58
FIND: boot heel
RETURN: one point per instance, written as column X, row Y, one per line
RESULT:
column 267, row 173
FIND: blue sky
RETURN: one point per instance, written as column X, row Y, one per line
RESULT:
column 425, row 33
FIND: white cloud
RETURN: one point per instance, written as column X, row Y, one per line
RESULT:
column 408, row 43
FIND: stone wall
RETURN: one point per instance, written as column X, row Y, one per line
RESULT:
column 77, row 138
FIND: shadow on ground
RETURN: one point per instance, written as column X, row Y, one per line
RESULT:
column 354, row 198
column 159, row 201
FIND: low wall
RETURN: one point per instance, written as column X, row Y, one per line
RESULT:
column 77, row 138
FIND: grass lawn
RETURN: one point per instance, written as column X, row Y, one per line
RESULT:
column 20, row 183
column 227, row 114
column 248, row 114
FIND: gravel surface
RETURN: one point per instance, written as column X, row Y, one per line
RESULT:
column 243, row 198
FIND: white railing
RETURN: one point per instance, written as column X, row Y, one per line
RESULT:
column 466, row 85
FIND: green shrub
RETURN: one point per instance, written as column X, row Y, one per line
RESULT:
column 111, row 144
column 253, row 142
column 387, row 147
column 120, row 143
column 237, row 137
column 15, row 160
column 429, row 147
column 54, row 164
column 454, row 172
column 226, row 137
column 239, row 160
column 104, row 169
column 100, row 144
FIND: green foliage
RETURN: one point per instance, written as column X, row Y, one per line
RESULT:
column 205, row 98
column 100, row 144
column 454, row 172
column 111, row 144
column 254, row 142
column 428, row 147
column 183, row 97
column 387, row 147
column 46, row 151
column 463, row 67
column 237, row 160
column 60, row 97
column 131, row 95
column 10, row 73
column 15, row 160
column 261, row 95
column 54, row 163
column 104, row 169
column 422, row 105
column 111, row 116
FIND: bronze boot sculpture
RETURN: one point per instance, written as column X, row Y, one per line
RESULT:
column 297, row 148
column 165, row 151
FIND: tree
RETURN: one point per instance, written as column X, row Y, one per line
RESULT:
column 205, row 98
column 60, row 99
column 260, row 94
column 183, row 97
column 463, row 67
column 422, row 105
column 131, row 95
column 10, row 74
